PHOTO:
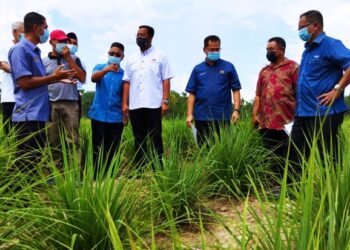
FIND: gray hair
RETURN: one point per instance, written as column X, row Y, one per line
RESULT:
column 17, row 25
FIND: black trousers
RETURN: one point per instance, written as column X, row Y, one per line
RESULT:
column 146, row 123
column 324, row 129
column 275, row 141
column 206, row 129
column 106, row 137
column 7, row 110
column 31, row 136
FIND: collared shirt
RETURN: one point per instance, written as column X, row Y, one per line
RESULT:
column 276, row 88
column 322, row 65
column 107, row 104
column 31, row 104
column 146, row 71
column 7, row 88
column 61, row 91
column 211, row 85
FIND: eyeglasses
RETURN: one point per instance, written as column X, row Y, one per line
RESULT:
column 213, row 49
column 306, row 25
column 116, row 54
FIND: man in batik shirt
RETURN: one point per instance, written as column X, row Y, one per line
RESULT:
column 274, row 102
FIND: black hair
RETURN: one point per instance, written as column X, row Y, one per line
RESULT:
column 72, row 35
column 150, row 30
column 279, row 41
column 212, row 38
column 313, row 16
column 118, row 45
column 32, row 18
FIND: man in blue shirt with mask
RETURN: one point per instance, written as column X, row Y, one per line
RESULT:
column 209, row 103
column 106, row 110
column 32, row 108
column 323, row 75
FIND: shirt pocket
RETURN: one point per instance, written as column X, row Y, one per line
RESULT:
column 316, row 67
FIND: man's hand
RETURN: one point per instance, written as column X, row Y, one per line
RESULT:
column 60, row 74
column 329, row 97
column 65, row 52
column 125, row 112
column 165, row 109
column 235, row 116
column 189, row 121
column 112, row 68
column 255, row 121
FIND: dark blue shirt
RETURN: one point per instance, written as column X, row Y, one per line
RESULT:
column 107, row 104
column 322, row 65
column 212, row 85
column 31, row 104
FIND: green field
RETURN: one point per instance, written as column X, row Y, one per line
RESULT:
column 217, row 197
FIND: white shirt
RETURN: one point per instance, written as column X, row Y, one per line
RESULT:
column 146, row 71
column 7, row 88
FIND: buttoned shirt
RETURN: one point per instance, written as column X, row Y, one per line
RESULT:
column 211, row 85
column 107, row 104
column 146, row 71
column 7, row 88
column 322, row 65
column 276, row 88
column 31, row 104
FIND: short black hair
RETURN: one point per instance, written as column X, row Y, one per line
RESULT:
column 212, row 38
column 118, row 45
column 313, row 16
column 32, row 18
column 279, row 41
column 72, row 35
column 150, row 30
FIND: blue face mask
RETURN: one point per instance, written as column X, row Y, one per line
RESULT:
column 114, row 60
column 73, row 48
column 44, row 37
column 21, row 36
column 304, row 34
column 213, row 56
column 59, row 47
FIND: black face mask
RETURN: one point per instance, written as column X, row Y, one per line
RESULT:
column 142, row 42
column 271, row 56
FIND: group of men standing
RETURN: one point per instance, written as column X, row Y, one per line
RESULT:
column 45, row 90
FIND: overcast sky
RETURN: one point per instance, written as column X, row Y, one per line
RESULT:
column 180, row 27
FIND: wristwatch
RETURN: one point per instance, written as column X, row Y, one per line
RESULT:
column 165, row 101
column 338, row 87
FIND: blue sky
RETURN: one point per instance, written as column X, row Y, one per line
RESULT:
column 243, row 26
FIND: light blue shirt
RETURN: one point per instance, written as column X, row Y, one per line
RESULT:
column 322, row 65
column 107, row 104
column 31, row 104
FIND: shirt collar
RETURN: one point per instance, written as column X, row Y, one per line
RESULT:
column 284, row 62
column 215, row 62
column 29, row 44
column 146, row 52
column 317, row 40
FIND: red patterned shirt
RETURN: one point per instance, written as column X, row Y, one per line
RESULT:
column 276, row 91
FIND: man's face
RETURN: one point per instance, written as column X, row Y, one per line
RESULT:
column 17, row 32
column 311, row 27
column 72, row 41
column 213, row 46
column 142, row 32
column 116, row 52
column 273, row 47
column 62, row 43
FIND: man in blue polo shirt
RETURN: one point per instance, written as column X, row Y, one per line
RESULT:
column 32, row 108
column 320, row 90
column 209, row 102
column 106, row 110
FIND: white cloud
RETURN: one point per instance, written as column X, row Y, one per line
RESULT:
column 244, row 27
